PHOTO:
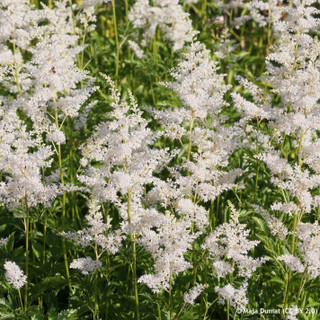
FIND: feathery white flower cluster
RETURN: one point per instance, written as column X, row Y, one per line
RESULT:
column 198, row 84
column 236, row 297
column 193, row 293
column 167, row 239
column 263, row 12
column 122, row 147
column 50, row 77
column 136, row 49
column 14, row 275
column 201, row 92
column 225, row 45
column 22, row 169
column 276, row 226
column 292, row 262
column 86, row 265
column 309, row 247
column 43, row 85
column 55, row 76
column 99, row 236
column 168, row 16
column 294, row 73
column 229, row 246
column 86, row 14
column 98, row 233
column 259, row 109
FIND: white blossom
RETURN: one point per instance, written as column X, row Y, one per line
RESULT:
column 42, row 83
column 293, row 72
column 136, row 49
column 57, row 137
column 193, row 293
column 167, row 239
column 22, row 168
column 309, row 246
column 85, row 265
column 229, row 246
column 201, row 91
column 236, row 297
column 168, row 16
column 222, row 268
column 292, row 262
column 14, row 275
column 231, row 240
column 97, row 233
column 276, row 226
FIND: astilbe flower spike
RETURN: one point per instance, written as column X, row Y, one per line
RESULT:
column 98, row 235
column 168, row 16
column 293, row 71
column 14, row 275
column 199, row 177
column 229, row 247
column 43, row 85
column 123, row 148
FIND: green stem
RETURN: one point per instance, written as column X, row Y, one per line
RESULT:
column 285, row 302
column 82, row 53
column 95, row 313
column 256, row 183
column 190, row 141
column 302, row 283
column 107, row 311
column 228, row 310
column 258, row 166
column 126, row 5
column 108, row 280
column 44, row 239
column 63, row 222
column 293, row 241
column 63, row 219
column 170, row 295
column 204, row 10
column 195, row 266
column 152, row 91
column 208, row 307
column 155, row 47
column 20, row 298
column 159, row 311
column 184, row 5
column 134, row 271
column 134, row 260
column 74, row 206
column 117, row 40
column 26, row 227
column 180, row 311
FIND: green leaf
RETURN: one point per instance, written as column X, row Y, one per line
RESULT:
column 55, row 283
